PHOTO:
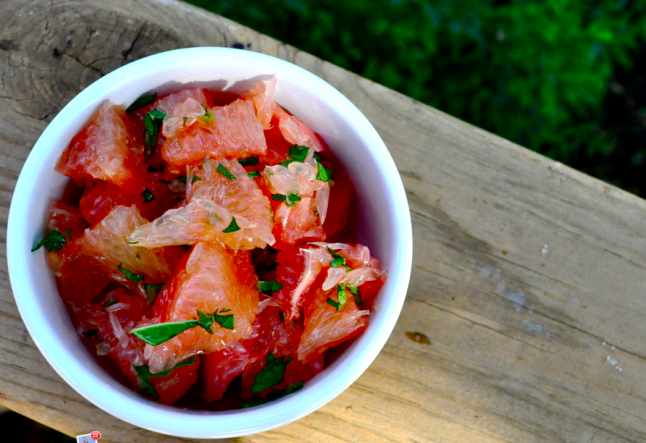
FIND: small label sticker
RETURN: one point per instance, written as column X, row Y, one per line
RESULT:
column 89, row 438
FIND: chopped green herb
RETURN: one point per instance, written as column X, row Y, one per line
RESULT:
column 253, row 174
column 272, row 374
column 268, row 286
column 53, row 241
column 356, row 294
column 185, row 119
column 153, row 122
column 226, row 321
column 133, row 242
column 332, row 303
column 224, row 171
column 338, row 260
column 290, row 199
column 297, row 154
column 143, row 374
column 68, row 232
column 323, row 173
column 225, row 310
column 91, row 333
column 162, row 332
column 182, row 178
column 110, row 302
column 342, row 296
column 152, row 291
column 206, row 321
column 233, row 226
column 142, row 101
column 135, row 278
column 207, row 117
column 249, row 161
column 274, row 395
column 147, row 195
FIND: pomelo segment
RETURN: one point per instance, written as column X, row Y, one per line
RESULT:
column 297, row 224
column 213, row 202
column 106, row 244
column 295, row 131
column 262, row 97
column 210, row 278
column 103, row 150
column 232, row 132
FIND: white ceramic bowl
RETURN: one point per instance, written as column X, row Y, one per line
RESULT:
column 385, row 227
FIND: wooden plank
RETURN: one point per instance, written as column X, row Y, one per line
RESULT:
column 528, row 276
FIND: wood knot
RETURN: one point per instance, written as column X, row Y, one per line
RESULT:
column 418, row 337
column 5, row 45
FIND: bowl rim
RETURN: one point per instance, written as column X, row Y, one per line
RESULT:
column 132, row 408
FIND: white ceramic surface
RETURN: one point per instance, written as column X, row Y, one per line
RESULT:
column 385, row 227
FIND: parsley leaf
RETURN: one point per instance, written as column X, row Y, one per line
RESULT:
column 290, row 199
column 226, row 321
column 233, row 226
column 152, row 291
column 249, row 161
column 135, row 278
column 272, row 374
column 224, row 171
column 323, row 173
column 142, row 101
column 147, row 195
column 253, row 174
column 268, row 286
column 53, row 241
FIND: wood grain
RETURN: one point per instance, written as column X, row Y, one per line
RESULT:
column 526, row 305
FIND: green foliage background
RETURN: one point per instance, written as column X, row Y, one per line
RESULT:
column 535, row 72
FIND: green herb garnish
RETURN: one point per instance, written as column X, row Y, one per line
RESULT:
column 182, row 178
column 133, row 242
column 91, row 333
column 68, row 232
column 338, row 260
column 323, row 173
column 110, row 302
column 253, row 174
column 290, row 199
column 152, row 291
column 147, row 195
column 162, row 332
column 342, row 297
column 272, row 374
column 249, row 161
column 133, row 277
column 356, row 294
column 143, row 374
column 53, row 241
column 153, row 122
column 207, row 117
column 142, row 101
column 297, row 154
column 224, row 171
column 268, row 286
column 274, row 395
column 233, row 226
column 226, row 321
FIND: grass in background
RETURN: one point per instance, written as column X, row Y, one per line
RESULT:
column 556, row 76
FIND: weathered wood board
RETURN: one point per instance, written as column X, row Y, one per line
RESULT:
column 529, row 278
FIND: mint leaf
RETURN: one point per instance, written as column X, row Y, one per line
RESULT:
column 272, row 374
column 53, row 241
column 274, row 395
column 135, row 278
column 224, row 171
column 323, row 173
column 233, row 226
column 148, row 196
column 226, row 321
column 142, row 101
column 268, row 286
column 152, row 291
column 162, row 332
column 249, row 161
column 290, row 199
